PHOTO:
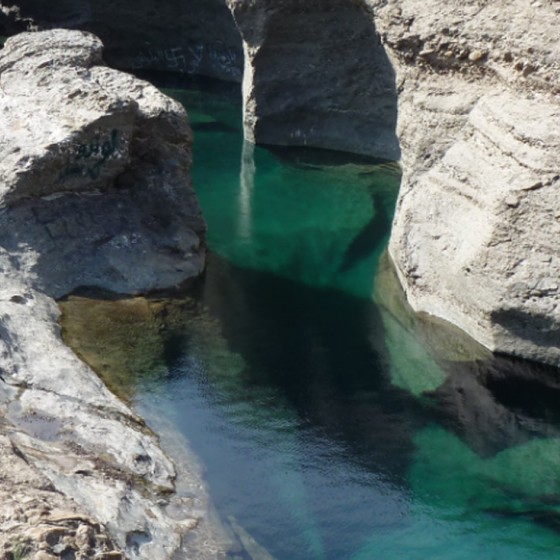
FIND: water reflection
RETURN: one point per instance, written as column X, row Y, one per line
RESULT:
column 288, row 397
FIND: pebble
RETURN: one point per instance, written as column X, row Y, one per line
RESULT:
column 475, row 56
column 512, row 201
column 42, row 555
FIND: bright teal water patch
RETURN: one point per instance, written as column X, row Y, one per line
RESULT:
column 306, row 220
column 327, row 428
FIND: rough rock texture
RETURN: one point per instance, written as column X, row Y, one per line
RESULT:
column 190, row 36
column 316, row 74
column 475, row 238
column 94, row 191
column 95, row 171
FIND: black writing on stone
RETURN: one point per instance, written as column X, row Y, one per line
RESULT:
column 90, row 158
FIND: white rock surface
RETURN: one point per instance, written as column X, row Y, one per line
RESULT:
column 94, row 191
column 475, row 237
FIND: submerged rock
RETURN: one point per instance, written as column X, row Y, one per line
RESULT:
column 95, row 191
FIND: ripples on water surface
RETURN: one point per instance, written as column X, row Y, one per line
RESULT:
column 331, row 422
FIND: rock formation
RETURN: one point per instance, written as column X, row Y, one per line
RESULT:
column 316, row 74
column 94, row 169
column 475, row 237
column 94, row 191
column 191, row 36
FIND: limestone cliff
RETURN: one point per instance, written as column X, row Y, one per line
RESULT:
column 475, row 238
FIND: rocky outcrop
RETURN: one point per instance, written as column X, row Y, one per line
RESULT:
column 475, row 235
column 316, row 75
column 191, row 36
column 94, row 171
column 94, row 191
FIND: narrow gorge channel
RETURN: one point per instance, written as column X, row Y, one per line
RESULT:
column 331, row 425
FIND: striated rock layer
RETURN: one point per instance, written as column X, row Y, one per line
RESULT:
column 475, row 238
column 94, row 191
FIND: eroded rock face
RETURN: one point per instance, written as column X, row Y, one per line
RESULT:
column 475, row 238
column 188, row 36
column 95, row 191
column 316, row 75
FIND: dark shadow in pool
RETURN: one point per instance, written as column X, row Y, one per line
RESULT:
column 368, row 238
column 499, row 403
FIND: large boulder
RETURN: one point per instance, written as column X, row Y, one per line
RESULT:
column 475, row 237
column 94, row 169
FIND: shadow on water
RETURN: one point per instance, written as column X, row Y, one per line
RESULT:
column 287, row 393
column 367, row 240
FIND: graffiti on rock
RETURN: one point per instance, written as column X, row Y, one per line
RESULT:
column 90, row 158
column 191, row 59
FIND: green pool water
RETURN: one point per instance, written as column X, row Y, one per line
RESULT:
column 331, row 422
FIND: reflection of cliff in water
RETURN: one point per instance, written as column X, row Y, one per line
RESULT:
column 252, row 333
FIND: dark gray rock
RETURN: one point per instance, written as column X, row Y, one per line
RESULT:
column 317, row 75
column 192, row 36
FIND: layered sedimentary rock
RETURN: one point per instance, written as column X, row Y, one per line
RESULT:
column 94, row 191
column 475, row 238
column 190, row 36
column 317, row 75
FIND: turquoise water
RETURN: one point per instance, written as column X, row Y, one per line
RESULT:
column 331, row 423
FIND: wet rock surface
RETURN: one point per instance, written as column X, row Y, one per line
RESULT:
column 95, row 191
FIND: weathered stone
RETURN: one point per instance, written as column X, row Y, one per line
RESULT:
column 316, row 75
column 474, row 245
column 98, row 164
column 475, row 56
column 94, row 191
column 192, row 37
column 475, row 234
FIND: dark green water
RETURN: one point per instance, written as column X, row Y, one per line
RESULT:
column 332, row 425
